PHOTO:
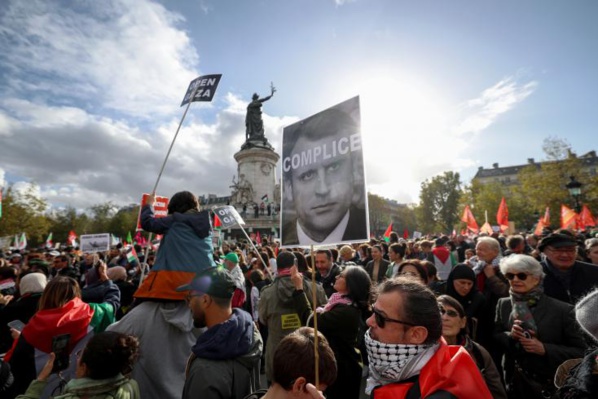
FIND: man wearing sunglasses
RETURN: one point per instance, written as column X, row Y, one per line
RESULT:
column 408, row 357
column 567, row 279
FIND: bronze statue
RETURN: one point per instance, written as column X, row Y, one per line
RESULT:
column 253, row 121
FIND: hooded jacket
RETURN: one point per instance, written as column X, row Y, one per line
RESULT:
column 185, row 250
column 30, row 354
column 451, row 373
column 225, row 360
column 118, row 387
column 277, row 312
column 166, row 335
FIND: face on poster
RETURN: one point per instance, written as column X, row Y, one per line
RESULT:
column 323, row 179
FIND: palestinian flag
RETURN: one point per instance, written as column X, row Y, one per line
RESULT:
column 265, row 198
column 387, row 233
column 132, row 254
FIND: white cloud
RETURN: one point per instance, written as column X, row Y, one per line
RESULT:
column 122, row 56
column 480, row 113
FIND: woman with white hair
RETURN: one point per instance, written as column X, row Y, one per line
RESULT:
column 536, row 332
column 31, row 286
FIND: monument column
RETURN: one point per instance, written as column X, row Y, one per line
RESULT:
column 257, row 166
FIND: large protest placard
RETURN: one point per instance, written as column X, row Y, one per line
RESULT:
column 95, row 242
column 228, row 216
column 324, row 198
column 160, row 208
column 205, row 87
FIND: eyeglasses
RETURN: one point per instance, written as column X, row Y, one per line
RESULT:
column 520, row 276
column 449, row 312
column 381, row 319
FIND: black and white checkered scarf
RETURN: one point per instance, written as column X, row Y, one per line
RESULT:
column 394, row 362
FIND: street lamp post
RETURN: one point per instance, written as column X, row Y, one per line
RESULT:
column 574, row 188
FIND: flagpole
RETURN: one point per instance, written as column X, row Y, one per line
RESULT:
column 258, row 253
column 174, row 139
column 315, row 314
column 145, row 254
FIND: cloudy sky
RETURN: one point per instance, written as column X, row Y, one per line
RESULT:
column 90, row 91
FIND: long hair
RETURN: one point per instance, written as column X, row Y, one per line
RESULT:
column 58, row 292
column 359, row 286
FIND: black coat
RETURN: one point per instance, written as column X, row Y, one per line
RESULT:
column 384, row 264
column 557, row 330
column 342, row 326
column 328, row 281
column 20, row 309
column 584, row 277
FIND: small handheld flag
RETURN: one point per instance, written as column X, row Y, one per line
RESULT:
column 387, row 233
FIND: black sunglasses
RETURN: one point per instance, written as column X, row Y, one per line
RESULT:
column 520, row 276
column 449, row 312
column 381, row 319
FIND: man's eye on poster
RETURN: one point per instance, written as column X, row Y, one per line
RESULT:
column 324, row 198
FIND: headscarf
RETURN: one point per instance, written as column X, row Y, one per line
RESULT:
column 461, row 272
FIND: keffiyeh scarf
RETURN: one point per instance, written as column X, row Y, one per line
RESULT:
column 395, row 362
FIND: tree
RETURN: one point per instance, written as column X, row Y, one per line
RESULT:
column 65, row 220
column 544, row 185
column 379, row 219
column 556, row 148
column 23, row 212
column 439, row 202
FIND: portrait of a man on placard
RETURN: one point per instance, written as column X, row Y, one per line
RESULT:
column 323, row 186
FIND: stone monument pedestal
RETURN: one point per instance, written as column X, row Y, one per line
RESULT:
column 256, row 170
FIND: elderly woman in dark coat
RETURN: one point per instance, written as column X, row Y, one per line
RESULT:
column 536, row 332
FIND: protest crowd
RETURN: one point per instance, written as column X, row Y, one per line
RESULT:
column 461, row 316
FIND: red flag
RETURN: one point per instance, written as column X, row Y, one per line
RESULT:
column 502, row 216
column 585, row 218
column 405, row 234
column 258, row 238
column 72, row 237
column 217, row 222
column 546, row 218
column 387, row 233
column 540, row 227
column 469, row 220
column 568, row 218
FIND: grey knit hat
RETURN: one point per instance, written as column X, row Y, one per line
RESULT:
column 585, row 313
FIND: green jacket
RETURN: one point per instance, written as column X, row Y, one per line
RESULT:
column 119, row 387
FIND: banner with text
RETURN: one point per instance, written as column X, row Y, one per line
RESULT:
column 160, row 208
column 205, row 87
column 324, row 198
column 229, row 216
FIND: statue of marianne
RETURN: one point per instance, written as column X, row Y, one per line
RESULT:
column 253, row 121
